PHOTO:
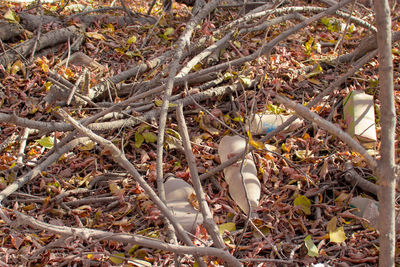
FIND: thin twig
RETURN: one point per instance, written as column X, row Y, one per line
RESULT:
column 201, row 198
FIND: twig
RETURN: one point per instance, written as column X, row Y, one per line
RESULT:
column 11, row 139
column 201, row 198
column 22, row 145
column 355, row 179
column 330, row 127
column 39, row 31
column 86, row 233
column 73, row 90
column 120, row 158
column 91, row 200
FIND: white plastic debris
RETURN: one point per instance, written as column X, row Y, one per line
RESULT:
column 243, row 170
column 359, row 115
column 263, row 123
column 177, row 195
column 369, row 209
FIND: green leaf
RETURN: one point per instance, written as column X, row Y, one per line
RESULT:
column 149, row 137
column 169, row 31
column 274, row 109
column 46, row 141
column 229, row 226
column 303, row 203
column 338, row 235
column 312, row 249
column 116, row 258
column 139, row 139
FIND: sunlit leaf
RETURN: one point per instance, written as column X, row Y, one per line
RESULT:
column 315, row 81
column 11, row 16
column 89, row 145
column 238, row 119
column 311, row 247
column 46, row 141
column 149, row 137
column 338, row 235
column 303, row 203
column 245, row 80
column 169, row 31
column 95, row 35
column 17, row 66
column 193, row 201
column 116, row 258
column 256, row 144
column 69, row 73
column 110, row 28
column 237, row 44
column 47, row 86
column 229, row 227
column 275, row 109
column 301, row 154
column 133, row 54
column 139, row 139
column 131, row 40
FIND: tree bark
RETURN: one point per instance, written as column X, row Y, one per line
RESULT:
column 386, row 166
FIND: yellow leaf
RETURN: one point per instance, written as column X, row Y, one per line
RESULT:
column 48, row 85
column 229, row 226
column 132, row 40
column 11, row 16
column 169, row 31
column 303, row 203
column 314, row 81
column 95, row 35
column 205, row 127
column 87, row 146
column 193, row 201
column 331, row 226
column 256, row 144
column 17, row 66
column 118, row 258
column 110, row 28
column 337, row 236
column 237, row 44
column 311, row 247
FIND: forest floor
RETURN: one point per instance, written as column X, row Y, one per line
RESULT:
column 113, row 58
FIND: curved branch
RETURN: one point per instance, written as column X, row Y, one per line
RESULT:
column 86, row 233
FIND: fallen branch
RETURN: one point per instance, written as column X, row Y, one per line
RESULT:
column 47, row 40
column 87, row 234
